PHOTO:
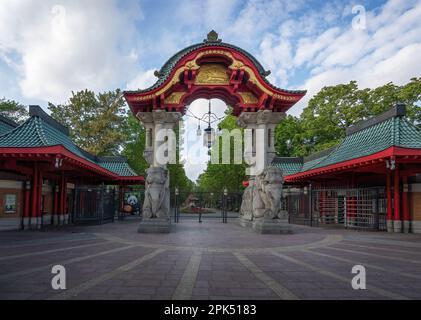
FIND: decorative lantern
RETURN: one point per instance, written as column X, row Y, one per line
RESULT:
column 209, row 137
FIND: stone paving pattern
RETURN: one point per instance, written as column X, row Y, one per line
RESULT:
column 210, row 260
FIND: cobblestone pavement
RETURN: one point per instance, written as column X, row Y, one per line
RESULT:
column 210, row 260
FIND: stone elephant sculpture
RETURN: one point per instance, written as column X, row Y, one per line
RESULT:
column 156, row 203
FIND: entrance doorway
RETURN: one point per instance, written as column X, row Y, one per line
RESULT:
column 206, row 206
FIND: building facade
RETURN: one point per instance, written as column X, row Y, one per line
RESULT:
column 42, row 173
column 371, row 180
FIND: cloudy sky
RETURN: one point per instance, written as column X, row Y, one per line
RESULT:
column 50, row 48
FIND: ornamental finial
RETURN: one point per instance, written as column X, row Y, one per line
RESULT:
column 212, row 37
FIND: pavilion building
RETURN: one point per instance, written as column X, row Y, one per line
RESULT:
column 46, row 179
column 370, row 180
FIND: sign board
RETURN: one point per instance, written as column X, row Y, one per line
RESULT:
column 10, row 203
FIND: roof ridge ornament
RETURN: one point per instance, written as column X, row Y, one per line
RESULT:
column 157, row 73
column 212, row 37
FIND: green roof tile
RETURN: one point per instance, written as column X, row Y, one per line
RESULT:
column 36, row 132
column 369, row 137
column 168, row 66
column 6, row 125
column 287, row 167
column 396, row 131
column 120, row 168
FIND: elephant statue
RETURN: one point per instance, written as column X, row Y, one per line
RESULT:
column 246, row 210
column 269, row 192
column 156, row 203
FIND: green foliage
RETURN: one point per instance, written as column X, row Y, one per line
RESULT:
column 96, row 122
column 218, row 176
column 99, row 124
column 13, row 110
column 135, row 144
column 178, row 176
column 323, row 122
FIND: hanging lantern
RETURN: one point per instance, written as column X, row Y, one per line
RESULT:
column 209, row 137
column 198, row 131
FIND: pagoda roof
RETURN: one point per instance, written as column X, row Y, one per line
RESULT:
column 6, row 124
column 166, row 70
column 40, row 130
column 390, row 129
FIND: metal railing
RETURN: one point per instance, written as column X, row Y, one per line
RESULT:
column 93, row 205
column 205, row 205
column 353, row 208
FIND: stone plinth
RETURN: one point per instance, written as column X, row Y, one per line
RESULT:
column 154, row 226
column 244, row 222
column 272, row 226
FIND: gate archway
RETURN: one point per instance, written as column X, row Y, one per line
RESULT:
column 211, row 69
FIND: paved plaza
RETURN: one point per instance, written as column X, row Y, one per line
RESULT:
column 210, row 260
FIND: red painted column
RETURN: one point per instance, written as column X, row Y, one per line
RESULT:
column 65, row 213
column 34, row 200
column 406, row 217
column 55, row 205
column 27, row 204
column 61, row 201
column 353, row 206
column 39, row 201
column 397, row 223
column 389, row 215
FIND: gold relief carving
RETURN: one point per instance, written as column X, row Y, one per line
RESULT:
column 212, row 74
column 216, row 77
column 191, row 65
column 174, row 98
column 285, row 98
column 216, row 51
column 237, row 64
column 144, row 98
column 248, row 97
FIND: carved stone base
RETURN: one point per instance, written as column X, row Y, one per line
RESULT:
column 406, row 226
column 244, row 222
column 274, row 226
column 397, row 226
column 416, row 226
column 389, row 224
column 154, row 226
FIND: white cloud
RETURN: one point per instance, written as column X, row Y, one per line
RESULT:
column 142, row 81
column 59, row 46
column 385, row 51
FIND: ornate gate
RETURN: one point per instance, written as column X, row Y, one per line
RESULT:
column 211, row 69
column 206, row 205
column 94, row 205
column 356, row 208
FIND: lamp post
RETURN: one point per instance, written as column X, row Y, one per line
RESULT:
column 224, row 205
column 176, row 206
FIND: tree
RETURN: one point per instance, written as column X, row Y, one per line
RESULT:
column 135, row 145
column 96, row 122
column 288, row 137
column 13, row 110
column 218, row 176
column 324, row 120
column 178, row 177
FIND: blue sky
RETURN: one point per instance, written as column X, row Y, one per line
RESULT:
column 49, row 48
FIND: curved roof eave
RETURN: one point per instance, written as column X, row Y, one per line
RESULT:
column 169, row 65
